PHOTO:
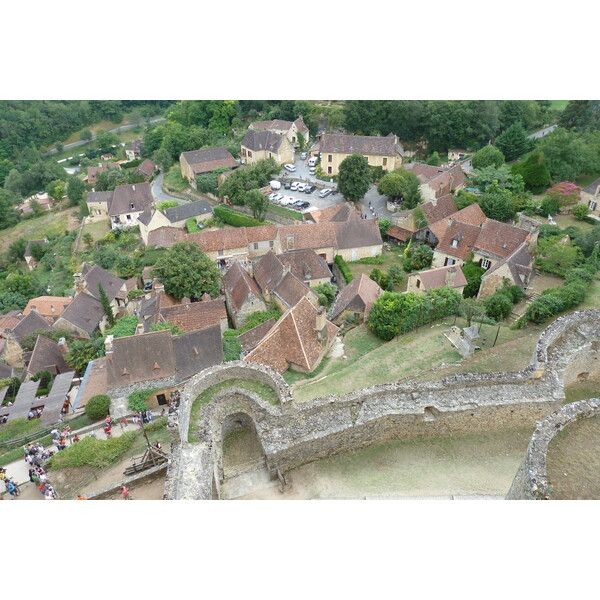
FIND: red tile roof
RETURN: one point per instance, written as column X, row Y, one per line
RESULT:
column 47, row 306
column 435, row 278
column 500, row 239
column 239, row 285
column 357, row 296
column 195, row 315
column 465, row 235
column 435, row 210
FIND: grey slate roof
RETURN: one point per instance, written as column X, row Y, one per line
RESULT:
column 209, row 159
column 257, row 140
column 130, row 198
column 357, row 233
column 187, row 211
column 361, row 144
column 85, row 312
column 29, row 324
column 47, row 356
column 111, row 283
column 100, row 197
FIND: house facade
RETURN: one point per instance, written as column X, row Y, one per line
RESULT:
column 450, row 276
column 260, row 145
column 590, row 195
column 200, row 162
column 242, row 295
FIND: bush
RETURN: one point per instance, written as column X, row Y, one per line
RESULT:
column 259, row 317
column 343, row 267
column 418, row 258
column 580, row 212
column 542, row 308
column 232, row 347
column 370, row 260
column 326, row 293
column 97, row 407
column 380, row 278
column 549, row 206
column 498, row 306
column 578, row 275
column 232, row 217
column 513, row 292
column 191, row 225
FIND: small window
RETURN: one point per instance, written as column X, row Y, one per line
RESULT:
column 593, row 205
column 256, row 245
column 455, row 243
column 220, row 252
column 330, row 170
column 249, row 154
column 485, row 263
column 385, row 161
column 330, row 158
column 449, row 261
column 271, row 244
column 418, row 283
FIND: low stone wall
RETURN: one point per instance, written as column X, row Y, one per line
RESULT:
column 294, row 433
column 531, row 480
column 131, row 482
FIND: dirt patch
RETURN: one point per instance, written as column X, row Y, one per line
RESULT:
column 483, row 464
column 582, row 390
column 573, row 461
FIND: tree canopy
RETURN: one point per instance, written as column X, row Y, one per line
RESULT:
column 354, row 177
column 513, row 142
column 488, row 156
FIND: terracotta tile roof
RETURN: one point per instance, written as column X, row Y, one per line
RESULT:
column 500, row 239
column 29, row 324
column 451, row 179
column 146, row 168
column 47, row 356
column 95, row 382
column 357, row 296
column 399, row 233
column 187, row 211
column 96, row 275
column 47, row 306
column 130, row 198
column 195, row 315
column 251, row 338
column 435, row 210
column 435, row 278
column 9, row 323
column 361, row 144
column 165, row 237
column 268, row 271
column 261, row 233
column 84, row 311
column 316, row 235
column 135, row 145
column 306, row 264
column 472, row 214
column 150, row 308
column 301, row 126
column 293, row 340
column 439, row 229
column 424, row 172
column 519, row 263
column 257, row 140
column 209, row 159
column 338, row 212
column 221, row 239
column 239, row 285
column 465, row 236
column 291, row 289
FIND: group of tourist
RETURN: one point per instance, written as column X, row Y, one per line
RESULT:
column 142, row 417
column 34, row 413
column 12, row 487
column 60, row 438
column 39, row 478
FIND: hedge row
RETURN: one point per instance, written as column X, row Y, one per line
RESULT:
column 343, row 267
column 393, row 314
column 232, row 217
column 191, row 225
column 132, row 163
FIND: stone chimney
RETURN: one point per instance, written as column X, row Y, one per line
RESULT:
column 34, row 308
column 62, row 343
column 185, row 300
column 159, row 288
column 139, row 328
column 108, row 345
column 450, row 276
column 250, row 268
column 286, row 268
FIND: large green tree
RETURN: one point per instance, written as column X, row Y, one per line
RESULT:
column 354, row 177
column 186, row 271
column 513, row 142
column 497, row 203
column 487, row 156
column 534, row 172
column 258, row 204
column 403, row 185
column 567, row 154
column 75, row 191
column 482, row 178
column 8, row 214
column 106, row 305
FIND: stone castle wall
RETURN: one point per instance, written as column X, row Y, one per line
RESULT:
column 294, row 433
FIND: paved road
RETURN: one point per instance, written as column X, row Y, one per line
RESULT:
column 542, row 132
column 115, row 130
column 160, row 196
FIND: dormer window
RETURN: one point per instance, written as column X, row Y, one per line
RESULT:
column 455, row 243
column 132, row 206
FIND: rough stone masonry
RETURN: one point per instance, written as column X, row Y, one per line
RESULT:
column 293, row 434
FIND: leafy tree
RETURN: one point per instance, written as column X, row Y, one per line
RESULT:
column 258, row 203
column 165, row 204
column 471, row 308
column 12, row 301
column 8, row 214
column 88, row 239
column 13, row 182
column 37, row 251
column 164, row 325
column 28, row 342
column 434, row 159
column 580, row 212
column 85, row 135
column 513, row 142
column 581, row 115
column 106, row 305
column 502, row 175
column 567, row 154
column 395, row 275
column 418, row 258
column 186, row 271
column 487, row 156
column 22, row 283
column 354, row 177
column 497, row 203
column 384, row 317
column 391, row 185
column 534, row 172
column 56, row 189
column 384, row 225
column 498, row 307
column 565, row 192
column 473, row 273
column 81, row 353
column 136, row 401
column 105, row 140
column 16, row 250
column 105, row 256
column 411, row 191
column 44, row 377
column 163, row 159
column 464, row 199
column 419, row 218
column 549, row 206
column 301, row 142
column 259, row 317
column 241, row 181
column 326, row 293
column 75, row 191
column 98, row 407
column 557, row 258
column 380, row 278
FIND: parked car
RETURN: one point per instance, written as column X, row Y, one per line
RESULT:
column 291, row 168
column 275, row 185
column 303, row 204
column 277, row 197
column 303, row 156
column 288, row 200
column 324, row 193
column 310, row 189
column 294, row 186
column 311, row 171
column 271, row 196
column 287, row 185
column 301, row 187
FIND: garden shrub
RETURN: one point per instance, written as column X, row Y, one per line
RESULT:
column 580, row 212
column 97, row 407
column 232, row 347
column 232, row 217
column 343, row 267
column 498, row 306
column 191, row 225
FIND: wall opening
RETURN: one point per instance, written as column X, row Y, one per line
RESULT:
column 431, row 413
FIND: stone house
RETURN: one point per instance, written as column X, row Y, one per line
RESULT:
column 307, row 266
column 242, row 295
column 47, row 356
column 134, row 150
column 146, row 168
column 355, row 300
column 176, row 216
column 289, row 291
column 251, row 338
column 288, row 129
column 262, row 239
column 457, row 154
column 222, row 244
column 432, row 233
column 128, row 203
column 514, row 269
column 358, row 238
column 93, row 172
column 385, row 152
column 260, row 145
column 49, row 307
column 98, row 203
column 456, row 244
column 320, row 237
column 298, row 340
column 497, row 241
column 200, row 162
column 117, row 289
column 27, row 324
column 438, row 181
column 450, row 276
column 590, row 195
column 82, row 317
column 190, row 316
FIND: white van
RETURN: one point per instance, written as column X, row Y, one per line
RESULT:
column 312, row 162
column 275, row 185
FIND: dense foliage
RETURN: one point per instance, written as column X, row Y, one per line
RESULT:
column 235, row 218
column 343, row 267
column 418, row 258
column 354, row 177
column 97, row 407
column 232, row 347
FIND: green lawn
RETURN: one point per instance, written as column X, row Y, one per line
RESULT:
column 558, row 104
column 98, row 229
column 175, row 181
column 564, row 221
column 38, row 228
column 390, row 257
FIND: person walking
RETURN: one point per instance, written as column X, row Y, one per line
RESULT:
column 125, row 493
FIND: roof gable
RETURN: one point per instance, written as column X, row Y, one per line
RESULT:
column 85, row 312
column 187, row 211
column 239, row 285
column 359, row 294
column 500, row 239
column 361, row 144
column 129, row 198
column 111, row 283
column 435, row 210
